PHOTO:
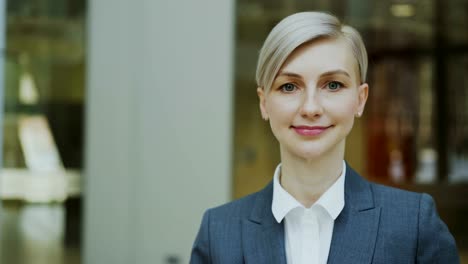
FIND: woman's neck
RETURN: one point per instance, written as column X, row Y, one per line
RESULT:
column 307, row 180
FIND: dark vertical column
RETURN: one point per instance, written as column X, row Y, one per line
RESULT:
column 440, row 78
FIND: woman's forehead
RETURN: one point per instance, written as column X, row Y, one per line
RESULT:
column 322, row 55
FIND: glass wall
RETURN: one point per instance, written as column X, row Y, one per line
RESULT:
column 414, row 131
column 44, row 69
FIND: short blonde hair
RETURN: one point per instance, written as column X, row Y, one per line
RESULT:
column 298, row 29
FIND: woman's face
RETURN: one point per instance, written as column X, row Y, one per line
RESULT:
column 314, row 99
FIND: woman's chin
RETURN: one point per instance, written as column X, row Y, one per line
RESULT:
column 308, row 155
column 311, row 152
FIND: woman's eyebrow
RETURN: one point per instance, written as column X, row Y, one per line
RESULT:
column 289, row 74
column 327, row 73
column 335, row 72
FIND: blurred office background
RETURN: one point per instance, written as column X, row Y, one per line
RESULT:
column 124, row 120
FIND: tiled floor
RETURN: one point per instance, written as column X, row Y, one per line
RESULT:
column 33, row 234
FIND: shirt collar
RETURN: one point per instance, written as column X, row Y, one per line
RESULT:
column 332, row 200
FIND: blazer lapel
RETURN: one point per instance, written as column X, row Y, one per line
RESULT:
column 355, row 229
column 262, row 236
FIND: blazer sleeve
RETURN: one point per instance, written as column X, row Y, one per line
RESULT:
column 435, row 243
column 201, row 247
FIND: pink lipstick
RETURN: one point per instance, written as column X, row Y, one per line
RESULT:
column 310, row 130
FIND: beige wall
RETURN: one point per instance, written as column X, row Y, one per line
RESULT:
column 158, row 137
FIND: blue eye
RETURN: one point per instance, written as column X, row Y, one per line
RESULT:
column 288, row 87
column 334, row 85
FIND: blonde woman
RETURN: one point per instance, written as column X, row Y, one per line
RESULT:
column 311, row 78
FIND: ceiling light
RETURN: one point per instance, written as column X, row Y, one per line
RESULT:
column 402, row 10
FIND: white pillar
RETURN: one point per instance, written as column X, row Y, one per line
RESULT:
column 158, row 125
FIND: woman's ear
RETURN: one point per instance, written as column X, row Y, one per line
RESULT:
column 363, row 93
column 262, row 103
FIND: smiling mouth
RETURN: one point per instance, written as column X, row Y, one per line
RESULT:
column 310, row 130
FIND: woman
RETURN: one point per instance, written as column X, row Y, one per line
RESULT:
column 311, row 85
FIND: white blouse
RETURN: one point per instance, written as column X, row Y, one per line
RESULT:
column 308, row 231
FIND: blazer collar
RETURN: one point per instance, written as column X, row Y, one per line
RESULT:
column 355, row 230
column 358, row 195
column 358, row 192
column 262, row 236
column 261, row 210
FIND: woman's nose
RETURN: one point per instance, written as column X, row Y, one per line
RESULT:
column 311, row 105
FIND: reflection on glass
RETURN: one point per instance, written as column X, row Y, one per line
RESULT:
column 392, row 26
column 38, row 145
column 399, row 120
column 28, row 93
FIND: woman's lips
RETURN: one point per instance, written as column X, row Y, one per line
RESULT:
column 310, row 130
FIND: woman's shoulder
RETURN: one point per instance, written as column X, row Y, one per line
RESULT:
column 381, row 195
column 242, row 207
column 391, row 191
column 387, row 195
column 407, row 214
column 403, row 202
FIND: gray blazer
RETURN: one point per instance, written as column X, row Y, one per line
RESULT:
column 378, row 224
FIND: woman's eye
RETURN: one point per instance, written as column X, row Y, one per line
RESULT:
column 334, row 85
column 289, row 87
